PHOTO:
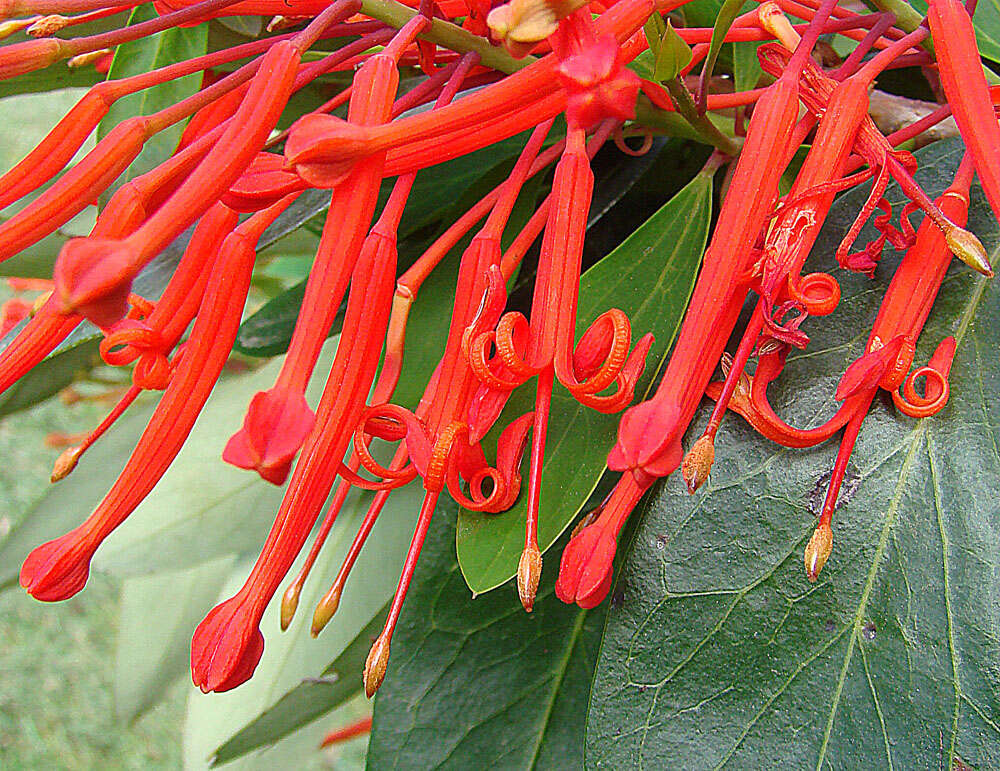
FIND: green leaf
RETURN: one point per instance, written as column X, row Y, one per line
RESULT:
column 746, row 66
column 157, row 615
column 649, row 277
column 723, row 21
column 143, row 55
column 309, row 700
column 672, row 55
column 482, row 684
column 723, row 655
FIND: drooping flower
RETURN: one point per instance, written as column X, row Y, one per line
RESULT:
column 230, row 161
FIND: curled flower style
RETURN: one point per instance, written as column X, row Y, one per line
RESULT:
column 411, row 88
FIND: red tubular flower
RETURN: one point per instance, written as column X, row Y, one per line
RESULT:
column 31, row 55
column 58, row 569
column 649, row 436
column 326, row 147
column 884, row 162
column 96, row 269
column 279, row 420
column 586, row 567
column 147, row 342
column 55, row 151
column 227, row 644
column 788, row 242
column 964, row 83
column 598, row 84
column 900, row 319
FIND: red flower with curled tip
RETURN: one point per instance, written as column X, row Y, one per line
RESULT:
column 229, row 163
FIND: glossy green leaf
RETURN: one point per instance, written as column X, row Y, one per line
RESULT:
column 143, row 55
column 650, row 278
column 723, row 21
column 721, row 654
column 157, row 615
column 480, row 683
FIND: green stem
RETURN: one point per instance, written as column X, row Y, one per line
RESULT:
column 446, row 34
column 708, row 131
column 668, row 122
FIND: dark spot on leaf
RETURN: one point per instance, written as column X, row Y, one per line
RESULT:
column 660, row 542
column 642, row 688
column 868, row 631
column 831, row 625
column 849, row 486
column 618, row 598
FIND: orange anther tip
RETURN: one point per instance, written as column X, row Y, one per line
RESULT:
column 968, row 249
column 818, row 551
column 48, row 25
column 66, row 462
column 698, row 462
column 289, row 604
column 529, row 571
column 375, row 666
column 88, row 58
column 325, row 610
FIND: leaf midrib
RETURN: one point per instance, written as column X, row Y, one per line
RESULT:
column 916, row 436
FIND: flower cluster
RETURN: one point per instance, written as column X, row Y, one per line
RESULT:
column 231, row 177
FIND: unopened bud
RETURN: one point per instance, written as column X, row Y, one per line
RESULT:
column 88, row 58
column 529, row 571
column 325, row 609
column 968, row 249
column 378, row 660
column 48, row 25
column 818, row 551
column 66, row 462
column 289, row 604
column 698, row 462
